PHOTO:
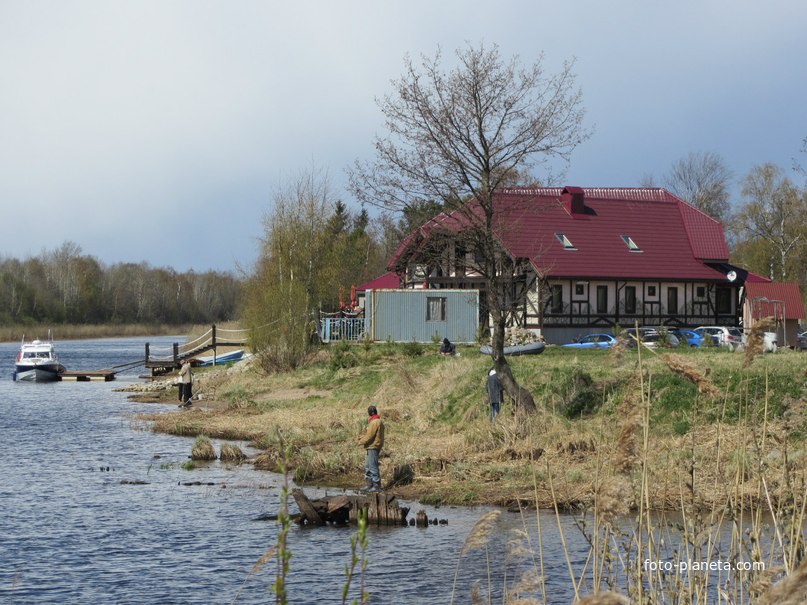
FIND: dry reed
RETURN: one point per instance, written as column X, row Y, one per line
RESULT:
column 756, row 340
column 604, row 598
column 481, row 532
column 231, row 453
column 792, row 590
column 688, row 370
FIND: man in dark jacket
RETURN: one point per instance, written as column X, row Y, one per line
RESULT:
column 495, row 392
column 372, row 439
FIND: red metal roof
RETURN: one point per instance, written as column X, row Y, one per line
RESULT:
column 786, row 292
column 673, row 239
column 387, row 281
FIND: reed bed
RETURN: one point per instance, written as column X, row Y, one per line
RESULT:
column 729, row 540
column 87, row 331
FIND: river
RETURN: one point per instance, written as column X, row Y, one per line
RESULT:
column 94, row 507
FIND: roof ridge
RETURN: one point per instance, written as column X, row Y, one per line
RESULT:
column 648, row 194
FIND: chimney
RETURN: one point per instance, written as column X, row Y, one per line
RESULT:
column 572, row 198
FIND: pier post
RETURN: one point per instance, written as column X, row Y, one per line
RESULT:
column 176, row 354
column 214, row 344
column 147, row 352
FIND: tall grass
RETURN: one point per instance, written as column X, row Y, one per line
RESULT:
column 698, row 551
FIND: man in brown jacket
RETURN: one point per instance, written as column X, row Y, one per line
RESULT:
column 372, row 439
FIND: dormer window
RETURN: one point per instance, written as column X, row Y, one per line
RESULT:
column 567, row 244
column 630, row 243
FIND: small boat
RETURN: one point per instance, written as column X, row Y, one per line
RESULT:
column 37, row 362
column 222, row 359
column 529, row 348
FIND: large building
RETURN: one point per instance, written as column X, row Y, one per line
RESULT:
column 589, row 258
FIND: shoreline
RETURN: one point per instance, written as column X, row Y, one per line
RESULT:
column 12, row 334
column 454, row 456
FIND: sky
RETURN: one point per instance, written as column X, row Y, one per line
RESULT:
column 159, row 131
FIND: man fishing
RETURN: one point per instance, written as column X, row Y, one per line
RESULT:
column 372, row 439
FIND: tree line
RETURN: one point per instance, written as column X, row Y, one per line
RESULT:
column 65, row 286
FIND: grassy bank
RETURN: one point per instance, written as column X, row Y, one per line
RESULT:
column 714, row 441
column 711, row 424
column 86, row 331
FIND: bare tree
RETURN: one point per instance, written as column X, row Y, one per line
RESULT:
column 456, row 136
column 703, row 180
column 773, row 211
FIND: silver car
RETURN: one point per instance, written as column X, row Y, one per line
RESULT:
column 722, row 336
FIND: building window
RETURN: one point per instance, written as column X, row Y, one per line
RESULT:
column 630, row 243
column 672, row 301
column 580, row 289
column 651, row 291
column 700, row 292
column 435, row 308
column 602, row 299
column 630, row 299
column 460, row 260
column 556, row 300
column 723, row 300
column 567, row 244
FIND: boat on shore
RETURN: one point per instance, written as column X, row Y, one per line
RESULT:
column 37, row 362
column 222, row 359
column 529, row 348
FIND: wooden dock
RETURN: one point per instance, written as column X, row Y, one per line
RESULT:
column 87, row 375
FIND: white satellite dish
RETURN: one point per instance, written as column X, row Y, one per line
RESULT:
column 731, row 275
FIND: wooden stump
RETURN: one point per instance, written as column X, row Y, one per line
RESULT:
column 381, row 509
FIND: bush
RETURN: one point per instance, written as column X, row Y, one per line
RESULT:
column 342, row 356
column 412, row 349
column 237, row 398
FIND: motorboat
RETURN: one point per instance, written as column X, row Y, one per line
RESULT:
column 37, row 362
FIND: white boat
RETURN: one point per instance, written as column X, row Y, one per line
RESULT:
column 37, row 362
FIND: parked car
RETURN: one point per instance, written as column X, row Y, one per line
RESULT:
column 770, row 342
column 801, row 341
column 593, row 341
column 654, row 340
column 692, row 338
column 631, row 334
column 722, row 336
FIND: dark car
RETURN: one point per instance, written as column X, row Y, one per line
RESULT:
column 801, row 342
column 655, row 339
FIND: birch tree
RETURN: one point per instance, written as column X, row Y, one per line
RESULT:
column 773, row 211
column 456, row 134
column 285, row 293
